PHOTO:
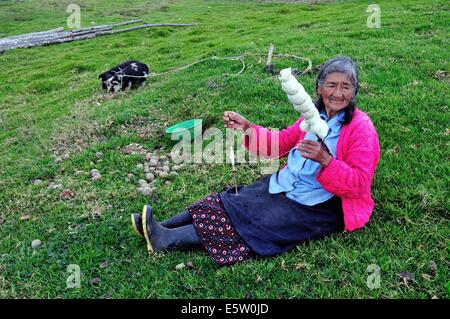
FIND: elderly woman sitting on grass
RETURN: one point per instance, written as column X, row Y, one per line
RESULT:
column 314, row 195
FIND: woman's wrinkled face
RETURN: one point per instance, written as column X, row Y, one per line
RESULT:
column 336, row 91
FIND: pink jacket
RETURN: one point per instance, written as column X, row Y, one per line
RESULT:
column 350, row 177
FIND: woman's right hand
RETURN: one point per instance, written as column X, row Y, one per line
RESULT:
column 235, row 121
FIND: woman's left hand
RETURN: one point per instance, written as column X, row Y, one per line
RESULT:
column 313, row 150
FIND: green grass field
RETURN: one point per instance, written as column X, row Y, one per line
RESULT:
column 51, row 104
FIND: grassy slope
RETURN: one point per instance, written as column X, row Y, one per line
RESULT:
column 50, row 100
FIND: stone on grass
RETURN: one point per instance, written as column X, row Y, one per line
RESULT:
column 35, row 244
column 96, row 177
column 163, row 174
column 99, row 154
column 37, row 181
column 145, row 190
column 140, row 166
column 142, row 182
column 433, row 268
column 180, row 266
column 66, row 194
column 407, row 277
column 166, row 168
column 53, row 185
column 149, row 177
column 95, row 281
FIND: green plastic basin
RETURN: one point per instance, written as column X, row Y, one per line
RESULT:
column 181, row 130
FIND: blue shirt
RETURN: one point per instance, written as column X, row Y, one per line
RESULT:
column 298, row 178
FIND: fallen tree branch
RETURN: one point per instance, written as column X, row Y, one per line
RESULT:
column 146, row 26
column 58, row 35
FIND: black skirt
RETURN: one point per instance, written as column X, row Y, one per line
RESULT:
column 272, row 223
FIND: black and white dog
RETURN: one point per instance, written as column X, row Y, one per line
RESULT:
column 124, row 76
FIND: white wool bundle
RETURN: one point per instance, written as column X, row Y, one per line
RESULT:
column 302, row 102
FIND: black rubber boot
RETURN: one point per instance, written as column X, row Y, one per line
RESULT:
column 136, row 223
column 181, row 219
column 162, row 238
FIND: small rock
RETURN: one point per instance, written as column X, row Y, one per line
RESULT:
column 67, row 194
column 58, row 160
column 130, row 175
column 180, row 266
column 103, row 265
column 95, row 281
column 153, row 163
column 163, row 158
column 54, row 186
column 99, row 154
column 168, row 182
column 189, row 265
column 146, row 190
column 433, row 268
column 166, row 168
column 37, row 181
column 175, row 168
column 142, row 182
column 149, row 177
column 163, row 174
column 407, row 277
column 96, row 177
column 25, row 217
column 94, row 171
column 35, row 244
column 140, row 166
column 65, row 156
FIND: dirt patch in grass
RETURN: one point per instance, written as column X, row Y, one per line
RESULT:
column 80, row 128
column 144, row 127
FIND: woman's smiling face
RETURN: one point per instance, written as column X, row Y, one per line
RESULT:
column 337, row 91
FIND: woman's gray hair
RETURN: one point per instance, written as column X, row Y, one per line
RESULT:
column 339, row 64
